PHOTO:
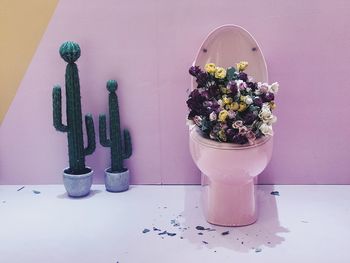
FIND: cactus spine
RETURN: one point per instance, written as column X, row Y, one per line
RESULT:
column 70, row 52
column 118, row 152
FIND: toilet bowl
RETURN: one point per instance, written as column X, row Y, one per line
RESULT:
column 229, row 171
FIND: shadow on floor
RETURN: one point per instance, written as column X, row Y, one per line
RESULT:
column 90, row 195
column 263, row 233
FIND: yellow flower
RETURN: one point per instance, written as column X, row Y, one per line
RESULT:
column 224, row 90
column 222, row 135
column 234, row 106
column 223, row 115
column 220, row 73
column 227, row 100
column 242, row 106
column 272, row 105
column 241, row 66
column 210, row 68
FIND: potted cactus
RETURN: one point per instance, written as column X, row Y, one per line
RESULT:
column 77, row 177
column 116, row 176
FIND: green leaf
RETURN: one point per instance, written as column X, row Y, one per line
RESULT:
column 230, row 73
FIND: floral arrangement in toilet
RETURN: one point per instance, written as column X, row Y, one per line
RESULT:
column 228, row 106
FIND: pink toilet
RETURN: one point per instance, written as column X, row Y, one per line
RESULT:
column 229, row 171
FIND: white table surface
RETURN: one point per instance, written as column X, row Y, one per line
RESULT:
column 303, row 224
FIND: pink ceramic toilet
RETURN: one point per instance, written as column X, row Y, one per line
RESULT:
column 229, row 171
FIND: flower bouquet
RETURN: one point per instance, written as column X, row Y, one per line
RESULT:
column 228, row 106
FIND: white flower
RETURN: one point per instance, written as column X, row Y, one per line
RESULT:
column 231, row 114
column 263, row 87
column 272, row 120
column 241, row 85
column 221, row 103
column 274, row 87
column 198, row 120
column 248, row 100
column 265, row 112
column 212, row 116
column 265, row 105
column 237, row 124
column 266, row 115
column 266, row 129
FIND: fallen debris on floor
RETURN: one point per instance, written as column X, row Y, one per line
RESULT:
column 275, row 193
column 203, row 228
column 145, row 231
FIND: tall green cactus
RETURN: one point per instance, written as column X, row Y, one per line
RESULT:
column 118, row 152
column 70, row 52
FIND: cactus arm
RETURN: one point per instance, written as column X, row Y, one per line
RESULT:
column 103, row 132
column 127, row 145
column 57, row 109
column 90, row 131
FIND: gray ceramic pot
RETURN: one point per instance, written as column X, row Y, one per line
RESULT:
column 78, row 185
column 116, row 182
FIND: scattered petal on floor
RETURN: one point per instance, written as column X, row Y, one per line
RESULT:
column 203, row 228
column 19, row 189
column 145, row 231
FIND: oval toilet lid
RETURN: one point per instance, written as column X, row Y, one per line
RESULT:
column 227, row 45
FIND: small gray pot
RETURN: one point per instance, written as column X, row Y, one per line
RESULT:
column 78, row 185
column 116, row 182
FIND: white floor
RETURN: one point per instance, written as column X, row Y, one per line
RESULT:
column 303, row 224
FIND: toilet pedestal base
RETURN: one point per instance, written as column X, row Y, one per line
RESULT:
column 229, row 204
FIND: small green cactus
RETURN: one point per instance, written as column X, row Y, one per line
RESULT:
column 70, row 52
column 118, row 152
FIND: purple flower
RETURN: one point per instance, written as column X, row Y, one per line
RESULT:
column 257, row 101
column 232, row 86
column 202, row 79
column 253, row 86
column 243, row 76
column 249, row 118
column 192, row 114
column 267, row 97
column 239, row 139
column 194, row 71
column 213, row 91
column 192, row 104
column 195, row 102
column 230, row 133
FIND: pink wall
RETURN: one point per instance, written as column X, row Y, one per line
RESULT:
column 148, row 46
